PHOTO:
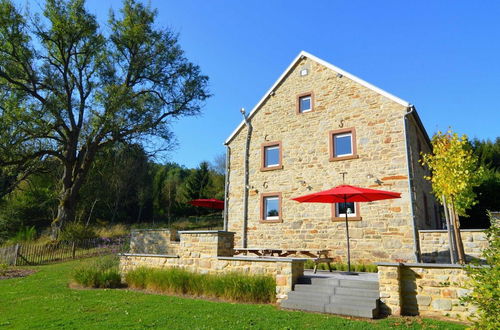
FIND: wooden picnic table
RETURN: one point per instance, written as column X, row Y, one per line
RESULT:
column 317, row 256
column 282, row 252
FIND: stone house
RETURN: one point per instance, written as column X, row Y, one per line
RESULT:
column 316, row 122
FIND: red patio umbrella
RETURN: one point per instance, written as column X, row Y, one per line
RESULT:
column 347, row 194
column 211, row 203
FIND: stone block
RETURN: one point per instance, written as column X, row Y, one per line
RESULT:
column 442, row 304
column 424, row 300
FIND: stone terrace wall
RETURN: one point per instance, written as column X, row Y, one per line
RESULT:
column 211, row 253
column 435, row 249
column 153, row 241
column 423, row 289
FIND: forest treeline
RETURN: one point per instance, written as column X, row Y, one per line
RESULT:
column 124, row 186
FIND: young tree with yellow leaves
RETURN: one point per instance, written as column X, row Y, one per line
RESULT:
column 454, row 175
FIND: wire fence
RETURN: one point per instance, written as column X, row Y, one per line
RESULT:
column 37, row 254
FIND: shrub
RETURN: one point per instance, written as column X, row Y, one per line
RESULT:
column 231, row 286
column 485, row 282
column 309, row 264
column 3, row 269
column 75, row 231
column 98, row 273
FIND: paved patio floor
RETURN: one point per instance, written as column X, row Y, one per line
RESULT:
column 371, row 277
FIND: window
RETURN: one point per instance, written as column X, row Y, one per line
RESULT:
column 305, row 102
column 343, row 144
column 339, row 210
column 270, row 204
column 271, row 156
column 426, row 211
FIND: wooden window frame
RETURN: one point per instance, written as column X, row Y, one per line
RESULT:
column 335, row 218
column 263, row 156
column 331, row 134
column 299, row 96
column 262, row 209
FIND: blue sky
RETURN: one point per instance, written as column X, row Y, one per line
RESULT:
column 441, row 56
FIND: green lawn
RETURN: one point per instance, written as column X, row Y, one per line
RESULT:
column 43, row 300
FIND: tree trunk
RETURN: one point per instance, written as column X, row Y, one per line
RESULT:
column 449, row 229
column 66, row 212
column 458, row 237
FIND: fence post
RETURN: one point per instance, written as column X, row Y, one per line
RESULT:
column 16, row 253
column 73, row 250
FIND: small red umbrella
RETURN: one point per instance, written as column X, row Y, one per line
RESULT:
column 347, row 194
column 211, row 203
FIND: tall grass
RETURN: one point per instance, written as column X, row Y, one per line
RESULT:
column 25, row 234
column 369, row 268
column 230, row 286
column 98, row 273
column 113, row 231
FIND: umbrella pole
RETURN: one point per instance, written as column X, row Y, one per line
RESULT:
column 347, row 232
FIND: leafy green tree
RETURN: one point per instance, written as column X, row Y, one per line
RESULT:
column 68, row 89
column 488, row 154
column 454, row 175
column 198, row 182
column 33, row 203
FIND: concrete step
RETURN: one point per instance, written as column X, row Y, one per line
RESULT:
column 318, row 280
column 329, row 289
column 351, row 310
column 306, row 296
column 306, row 306
column 355, row 301
column 359, row 284
column 352, row 292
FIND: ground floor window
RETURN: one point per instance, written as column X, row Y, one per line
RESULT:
column 270, row 204
column 339, row 211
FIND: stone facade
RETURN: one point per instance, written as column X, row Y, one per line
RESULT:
column 435, row 248
column 385, row 231
column 424, row 289
column 154, row 241
column 212, row 252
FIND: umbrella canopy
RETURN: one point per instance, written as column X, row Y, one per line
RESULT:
column 211, row 203
column 347, row 194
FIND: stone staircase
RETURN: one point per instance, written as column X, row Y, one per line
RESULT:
column 343, row 295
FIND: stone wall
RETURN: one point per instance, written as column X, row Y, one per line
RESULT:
column 423, row 289
column 384, row 232
column 435, row 249
column 154, row 241
column 210, row 252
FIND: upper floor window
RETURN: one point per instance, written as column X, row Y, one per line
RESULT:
column 305, row 102
column 271, row 207
column 343, row 144
column 271, row 156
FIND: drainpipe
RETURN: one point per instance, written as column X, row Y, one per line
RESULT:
column 226, row 187
column 245, row 193
column 416, row 240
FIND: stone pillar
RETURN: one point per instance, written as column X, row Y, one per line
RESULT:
column 390, row 291
column 206, row 244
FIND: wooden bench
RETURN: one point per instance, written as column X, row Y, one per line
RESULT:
column 321, row 260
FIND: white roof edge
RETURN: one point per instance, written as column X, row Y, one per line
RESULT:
column 328, row 65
